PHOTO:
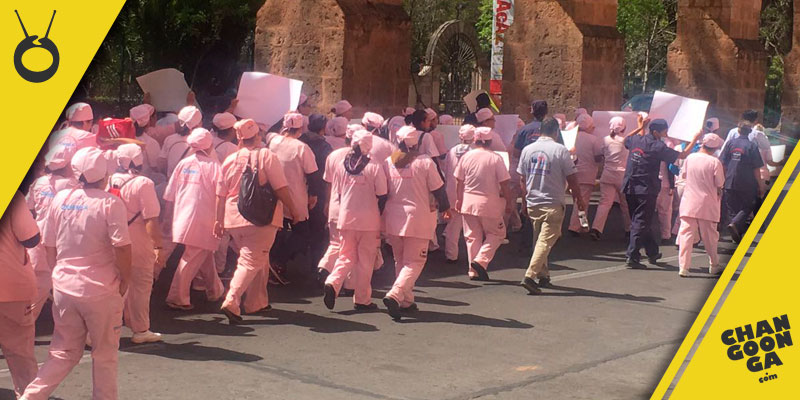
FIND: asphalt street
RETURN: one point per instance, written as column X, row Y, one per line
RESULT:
column 602, row 331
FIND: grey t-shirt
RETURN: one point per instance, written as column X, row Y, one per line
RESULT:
column 545, row 165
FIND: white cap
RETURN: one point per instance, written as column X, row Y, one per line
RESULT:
column 224, row 120
column 190, row 117
column 91, row 163
column 79, row 112
column 128, row 154
column 408, row 135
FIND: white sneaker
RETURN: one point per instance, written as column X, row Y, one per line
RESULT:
column 715, row 270
column 145, row 337
column 683, row 273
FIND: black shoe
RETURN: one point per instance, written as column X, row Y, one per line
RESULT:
column 654, row 259
column 365, row 307
column 233, row 319
column 449, row 261
column 347, row 293
column 394, row 308
column 482, row 274
column 330, row 297
column 531, row 286
column 595, row 234
column 573, row 233
column 634, row 264
column 735, row 234
column 545, row 282
column 412, row 308
column 322, row 275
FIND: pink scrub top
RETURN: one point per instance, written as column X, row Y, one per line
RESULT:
column 410, row 210
column 616, row 159
column 43, row 191
column 449, row 169
column 358, row 197
column 428, row 146
column 139, row 195
column 231, row 179
column 298, row 161
column 438, row 139
column 334, row 159
column 587, row 147
column 704, row 177
column 336, row 142
column 192, row 190
column 482, row 172
column 17, row 280
column 84, row 225
column 173, row 151
column 73, row 137
column 160, row 133
column 150, row 153
column 224, row 148
column 381, row 149
column 497, row 142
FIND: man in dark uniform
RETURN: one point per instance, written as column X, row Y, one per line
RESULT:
column 742, row 163
column 532, row 131
column 641, row 185
column 317, row 220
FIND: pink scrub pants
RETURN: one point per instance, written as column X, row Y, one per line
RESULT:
column 252, row 269
column 195, row 261
column 17, row 331
column 410, row 255
column 44, row 279
column 687, row 237
column 452, row 234
column 609, row 192
column 586, row 194
column 136, row 311
column 332, row 253
column 75, row 317
column 357, row 260
column 483, row 235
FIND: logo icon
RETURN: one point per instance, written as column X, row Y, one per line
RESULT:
column 30, row 42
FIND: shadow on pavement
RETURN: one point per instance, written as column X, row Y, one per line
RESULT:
column 566, row 291
column 316, row 323
column 462, row 319
column 192, row 351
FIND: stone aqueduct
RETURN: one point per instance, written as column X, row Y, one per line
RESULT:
column 566, row 51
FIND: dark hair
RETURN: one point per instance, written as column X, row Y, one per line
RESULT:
column 483, row 100
column 745, row 128
column 484, row 143
column 139, row 129
column 316, row 122
column 417, row 118
column 539, row 108
column 225, row 133
column 250, row 141
column 750, row 116
column 550, row 127
column 183, row 130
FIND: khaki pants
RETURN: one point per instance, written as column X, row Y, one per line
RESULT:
column 547, row 221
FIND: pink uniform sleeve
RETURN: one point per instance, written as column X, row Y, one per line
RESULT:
column 719, row 174
column 381, row 185
column 309, row 164
column 222, row 182
column 327, row 176
column 501, row 172
column 169, row 192
column 148, row 200
column 430, row 146
column 459, row 172
column 274, row 170
column 117, row 222
column 434, row 180
column 22, row 223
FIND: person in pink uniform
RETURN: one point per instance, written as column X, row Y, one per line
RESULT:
column 87, row 234
column 143, row 117
column 438, row 137
column 482, row 175
column 225, row 135
column 700, row 204
column 665, row 196
column 335, row 131
column 254, row 242
column 381, row 148
column 344, row 109
column 175, row 147
column 410, row 216
column 485, row 118
column 615, row 158
column 139, row 195
column 452, row 232
column 328, row 260
column 78, row 132
column 192, row 192
column 362, row 193
column 394, row 125
column 421, row 120
column 589, row 155
column 18, row 231
column 58, row 176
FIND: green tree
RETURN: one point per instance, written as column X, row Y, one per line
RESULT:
column 776, row 34
column 649, row 26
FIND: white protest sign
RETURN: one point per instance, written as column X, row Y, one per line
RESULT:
column 450, row 134
column 504, row 155
column 685, row 116
column 506, row 126
column 602, row 121
column 266, row 98
column 471, row 100
column 778, row 154
column 167, row 89
column 570, row 137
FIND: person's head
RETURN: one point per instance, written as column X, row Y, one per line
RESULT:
column 58, row 158
column 336, row 127
column 485, row 117
column 317, row 123
column 585, row 123
column 189, row 118
column 562, row 120
column 350, row 131
column 539, row 109
column 200, row 140
column 408, row 137
column 304, row 107
column 223, row 125
column 550, row 127
column 80, row 116
column 372, row 122
column 659, row 128
column 421, row 121
column 483, row 137
column 711, row 125
column 293, row 124
column 483, row 100
column 361, row 143
column 711, row 143
column 90, row 165
column 446, row 119
column 745, row 128
column 343, row 109
column 247, row 132
column 467, row 134
column 433, row 117
column 143, row 116
column 617, row 126
column 580, row 111
column 130, row 157
column 750, row 116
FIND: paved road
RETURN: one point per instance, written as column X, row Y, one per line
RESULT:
column 603, row 332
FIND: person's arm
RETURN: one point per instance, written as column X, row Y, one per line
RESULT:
column 441, row 199
column 219, row 220
column 51, row 254
column 283, row 195
column 459, row 194
column 688, row 149
column 574, row 188
column 154, row 231
column 643, row 122
column 122, row 258
column 505, row 189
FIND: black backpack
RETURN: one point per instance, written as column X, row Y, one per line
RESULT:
column 256, row 203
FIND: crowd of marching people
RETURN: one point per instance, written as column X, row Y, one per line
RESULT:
column 94, row 229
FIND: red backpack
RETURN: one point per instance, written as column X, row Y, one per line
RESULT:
column 115, row 128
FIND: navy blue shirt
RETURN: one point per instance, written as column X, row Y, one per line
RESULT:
column 740, row 157
column 646, row 153
column 528, row 134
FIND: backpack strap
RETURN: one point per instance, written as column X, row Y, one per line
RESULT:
column 130, row 221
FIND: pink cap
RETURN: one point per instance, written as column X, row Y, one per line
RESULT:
column 246, row 128
column 446, row 119
column 617, row 125
column 224, row 121
column 91, row 163
column 342, row 107
column 79, row 112
column 59, row 157
column 396, row 123
column 351, row 129
column 409, row 135
column 190, row 117
column 484, row 114
column 712, row 141
column 467, row 132
column 169, row 119
column 129, row 155
column 363, row 139
column 372, row 120
column 141, row 114
column 200, row 139
column 585, row 123
column 712, row 124
column 336, row 127
column 408, row 111
column 579, row 112
column 431, row 113
column 483, row 134
column 293, row 120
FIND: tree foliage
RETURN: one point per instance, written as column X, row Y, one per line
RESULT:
column 649, row 26
column 776, row 34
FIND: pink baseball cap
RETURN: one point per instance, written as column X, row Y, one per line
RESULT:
column 409, row 135
column 446, row 119
column 293, row 121
column 484, row 114
column 712, row 141
column 467, row 132
column 408, row 111
column 585, row 122
column 224, row 120
column 200, row 139
column 79, row 112
column 372, row 120
column 617, row 125
column 91, row 163
column 395, row 123
column 59, row 157
column 342, row 107
column 352, row 129
column 363, row 139
column 190, row 117
column 128, row 154
column 336, row 127
column 141, row 114
column 246, row 128
column 483, row 133
column 431, row 113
